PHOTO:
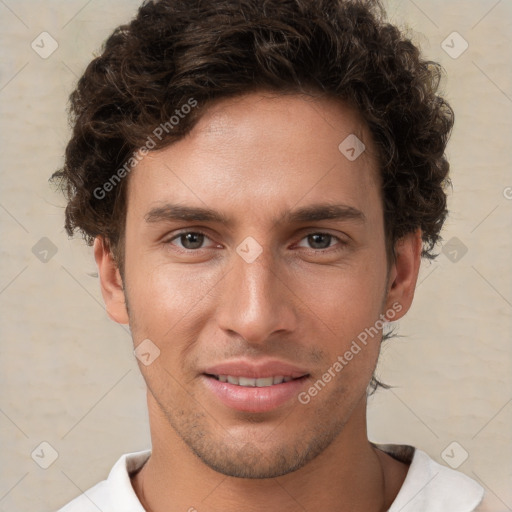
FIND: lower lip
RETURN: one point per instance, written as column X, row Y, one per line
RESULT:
column 254, row 399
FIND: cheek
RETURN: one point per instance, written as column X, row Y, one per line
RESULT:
column 344, row 306
column 346, row 299
column 165, row 299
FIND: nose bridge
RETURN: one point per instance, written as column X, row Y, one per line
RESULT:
column 255, row 305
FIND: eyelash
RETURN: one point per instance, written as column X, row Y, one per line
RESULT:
column 199, row 232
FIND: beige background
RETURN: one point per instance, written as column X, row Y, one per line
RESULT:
column 68, row 374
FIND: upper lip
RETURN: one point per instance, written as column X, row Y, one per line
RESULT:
column 256, row 369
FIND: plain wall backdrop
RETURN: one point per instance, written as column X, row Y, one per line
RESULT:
column 69, row 376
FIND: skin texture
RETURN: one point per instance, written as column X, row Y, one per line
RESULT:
column 253, row 159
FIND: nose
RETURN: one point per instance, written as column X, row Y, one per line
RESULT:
column 256, row 301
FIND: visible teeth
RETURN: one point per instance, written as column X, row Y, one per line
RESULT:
column 245, row 381
column 267, row 381
column 250, row 382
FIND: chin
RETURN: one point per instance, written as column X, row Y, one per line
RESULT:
column 254, row 463
column 234, row 456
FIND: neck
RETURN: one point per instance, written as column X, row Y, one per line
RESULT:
column 350, row 475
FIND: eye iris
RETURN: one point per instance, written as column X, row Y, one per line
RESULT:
column 317, row 239
column 192, row 240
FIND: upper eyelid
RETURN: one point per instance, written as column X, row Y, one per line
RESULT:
column 186, row 231
column 322, row 233
column 181, row 233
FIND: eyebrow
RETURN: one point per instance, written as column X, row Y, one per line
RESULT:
column 316, row 212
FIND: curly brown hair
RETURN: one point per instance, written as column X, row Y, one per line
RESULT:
column 175, row 50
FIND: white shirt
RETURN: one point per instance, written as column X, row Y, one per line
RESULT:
column 428, row 486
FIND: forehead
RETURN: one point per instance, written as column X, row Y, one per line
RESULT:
column 264, row 152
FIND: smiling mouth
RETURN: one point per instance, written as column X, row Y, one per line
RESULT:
column 250, row 382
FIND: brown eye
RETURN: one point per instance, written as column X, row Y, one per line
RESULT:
column 192, row 240
column 319, row 241
column 189, row 240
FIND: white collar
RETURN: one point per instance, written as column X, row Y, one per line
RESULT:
column 431, row 487
column 428, row 486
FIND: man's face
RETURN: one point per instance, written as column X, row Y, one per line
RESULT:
column 215, row 305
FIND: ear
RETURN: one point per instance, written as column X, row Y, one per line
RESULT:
column 403, row 274
column 111, row 283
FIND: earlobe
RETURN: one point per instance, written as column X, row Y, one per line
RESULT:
column 403, row 274
column 110, row 281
